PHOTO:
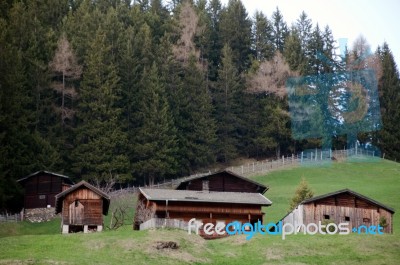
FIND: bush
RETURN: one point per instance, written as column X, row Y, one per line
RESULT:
column 302, row 193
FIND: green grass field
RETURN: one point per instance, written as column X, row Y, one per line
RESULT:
column 25, row 243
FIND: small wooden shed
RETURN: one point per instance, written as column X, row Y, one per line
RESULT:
column 41, row 188
column 343, row 206
column 82, row 207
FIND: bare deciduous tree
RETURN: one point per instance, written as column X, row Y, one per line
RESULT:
column 143, row 213
column 361, row 58
column 64, row 66
column 188, row 22
column 121, row 207
column 270, row 77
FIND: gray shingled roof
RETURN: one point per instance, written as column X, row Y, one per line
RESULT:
column 67, row 179
column 205, row 196
column 264, row 188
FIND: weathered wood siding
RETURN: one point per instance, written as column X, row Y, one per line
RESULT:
column 355, row 216
column 341, row 208
column 210, row 212
column 41, row 190
column 222, row 182
column 82, row 207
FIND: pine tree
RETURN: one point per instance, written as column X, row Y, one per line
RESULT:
column 293, row 52
column 262, row 37
column 100, row 148
column 214, row 43
column 279, row 30
column 389, row 87
column 303, row 27
column 155, row 144
column 235, row 30
column 227, row 98
column 197, row 125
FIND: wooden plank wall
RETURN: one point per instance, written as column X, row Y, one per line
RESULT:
column 41, row 190
column 92, row 203
column 358, row 216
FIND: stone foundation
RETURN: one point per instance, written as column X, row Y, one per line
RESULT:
column 38, row 215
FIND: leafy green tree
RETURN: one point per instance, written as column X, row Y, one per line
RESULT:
column 100, row 148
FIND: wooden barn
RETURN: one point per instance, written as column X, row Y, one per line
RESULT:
column 41, row 188
column 82, row 207
column 343, row 206
column 222, row 181
column 205, row 206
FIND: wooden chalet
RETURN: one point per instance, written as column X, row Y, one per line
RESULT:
column 82, row 207
column 340, row 207
column 205, row 206
column 40, row 188
column 222, row 181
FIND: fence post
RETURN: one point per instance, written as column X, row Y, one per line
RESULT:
column 321, row 154
column 301, row 157
column 253, row 166
column 242, row 169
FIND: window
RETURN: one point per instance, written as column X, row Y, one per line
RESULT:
column 326, row 216
column 347, row 218
column 366, row 220
column 42, row 197
column 205, row 185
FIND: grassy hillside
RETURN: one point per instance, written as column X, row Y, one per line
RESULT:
column 381, row 181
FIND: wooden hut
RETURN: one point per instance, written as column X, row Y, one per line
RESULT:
column 222, row 181
column 41, row 188
column 204, row 206
column 343, row 206
column 82, row 207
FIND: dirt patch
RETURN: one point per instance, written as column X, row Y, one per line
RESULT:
column 166, row 245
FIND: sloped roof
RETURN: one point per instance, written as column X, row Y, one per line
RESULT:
column 60, row 197
column 205, row 196
column 263, row 188
column 358, row 195
column 66, row 178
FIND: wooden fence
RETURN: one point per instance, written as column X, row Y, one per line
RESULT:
column 164, row 223
column 309, row 157
column 10, row 217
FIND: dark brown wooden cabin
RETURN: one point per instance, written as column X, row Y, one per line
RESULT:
column 41, row 188
column 82, row 207
column 205, row 206
column 222, row 181
column 340, row 207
